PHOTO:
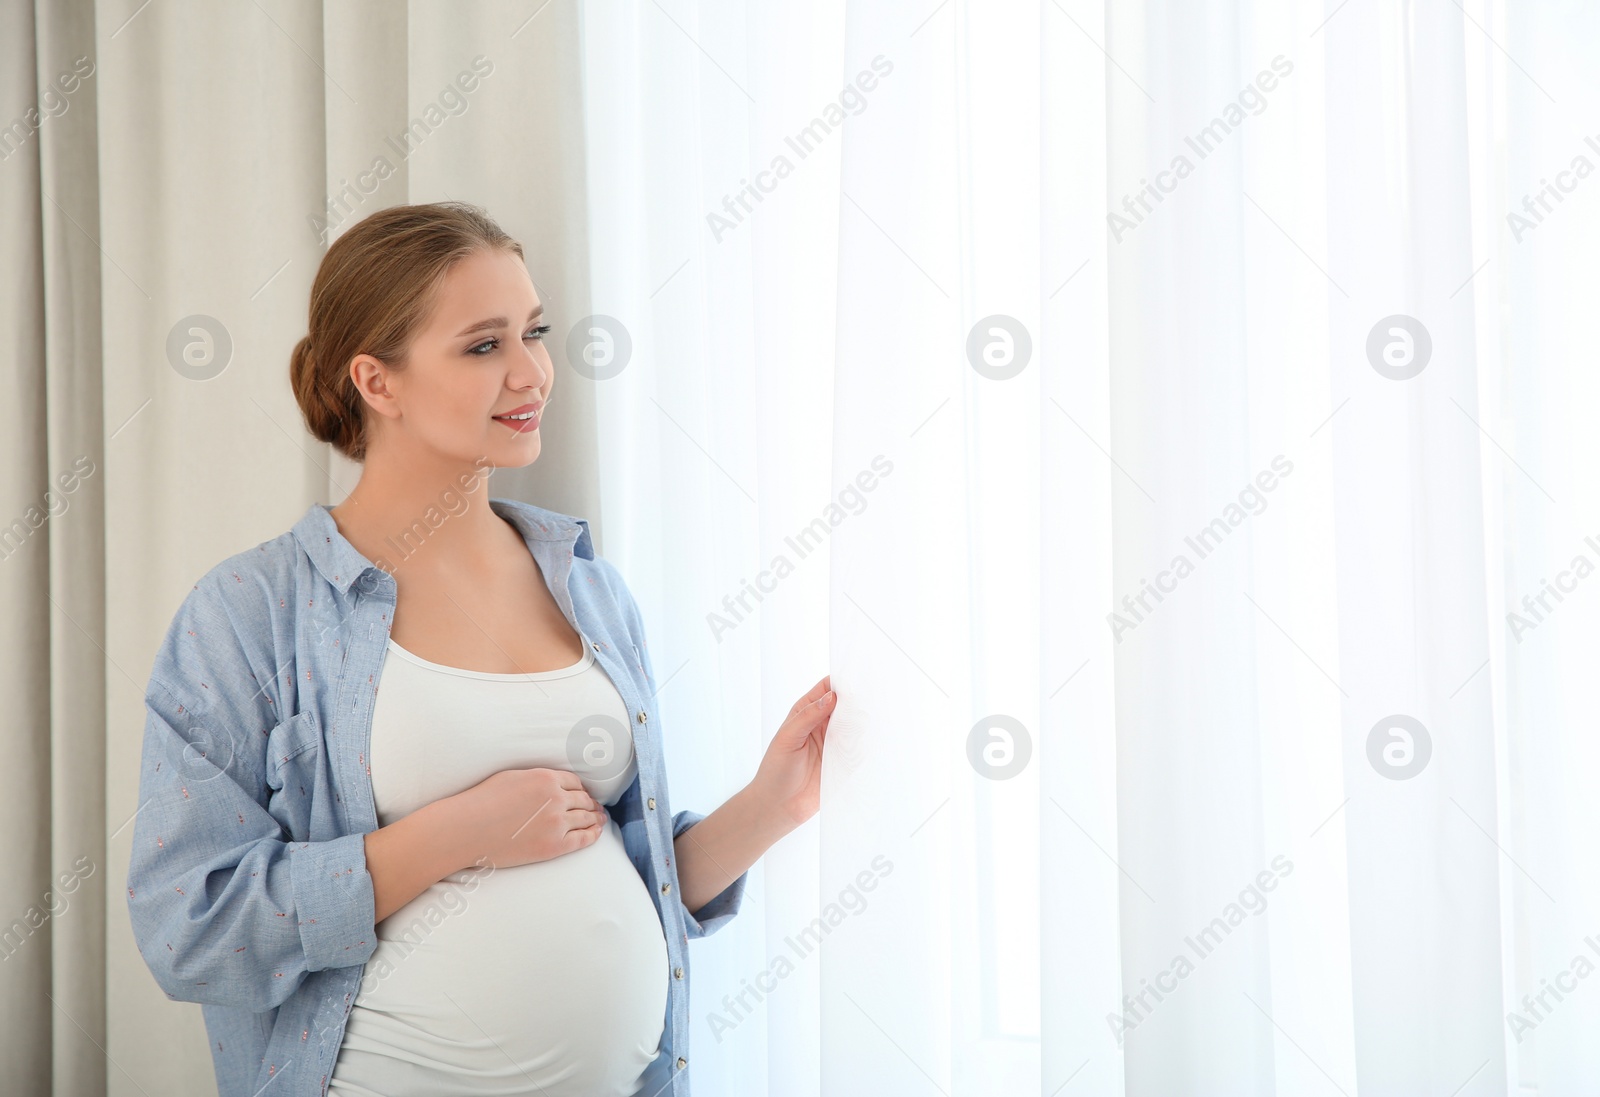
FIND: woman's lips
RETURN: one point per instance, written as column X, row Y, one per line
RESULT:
column 522, row 426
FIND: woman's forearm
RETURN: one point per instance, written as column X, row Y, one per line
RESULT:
column 410, row 855
column 718, row 849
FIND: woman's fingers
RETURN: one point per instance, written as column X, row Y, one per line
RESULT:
column 812, row 695
column 807, row 717
column 588, row 817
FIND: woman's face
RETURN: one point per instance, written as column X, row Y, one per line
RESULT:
column 480, row 355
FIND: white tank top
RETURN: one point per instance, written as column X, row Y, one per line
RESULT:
column 545, row 979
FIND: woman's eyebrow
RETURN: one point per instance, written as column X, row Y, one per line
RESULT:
column 495, row 322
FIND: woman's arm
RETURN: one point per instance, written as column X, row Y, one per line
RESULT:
column 512, row 817
column 713, row 852
column 225, row 906
column 784, row 793
column 409, row 856
column 717, row 850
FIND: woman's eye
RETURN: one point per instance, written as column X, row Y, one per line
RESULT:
column 487, row 345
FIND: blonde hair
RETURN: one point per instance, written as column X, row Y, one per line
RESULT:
column 375, row 287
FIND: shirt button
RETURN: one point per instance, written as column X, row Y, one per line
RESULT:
column 652, row 802
column 677, row 973
column 682, row 1062
column 665, row 888
column 594, row 645
column 641, row 716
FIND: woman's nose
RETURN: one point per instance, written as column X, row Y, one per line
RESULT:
column 530, row 368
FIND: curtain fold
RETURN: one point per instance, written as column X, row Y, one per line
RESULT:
column 53, row 933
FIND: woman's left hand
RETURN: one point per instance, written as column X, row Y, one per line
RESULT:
column 788, row 783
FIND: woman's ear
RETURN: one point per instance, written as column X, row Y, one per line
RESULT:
column 372, row 380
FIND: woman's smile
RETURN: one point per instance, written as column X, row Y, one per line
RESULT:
column 522, row 419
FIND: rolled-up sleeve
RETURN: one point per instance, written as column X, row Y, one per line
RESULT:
column 333, row 891
column 226, row 908
column 721, row 908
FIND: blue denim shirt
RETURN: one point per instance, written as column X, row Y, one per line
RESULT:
column 248, row 886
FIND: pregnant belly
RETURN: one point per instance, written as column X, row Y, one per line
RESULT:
column 549, row 978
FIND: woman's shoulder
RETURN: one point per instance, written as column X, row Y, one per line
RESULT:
column 592, row 573
column 219, row 671
column 270, row 571
column 542, row 523
column 232, row 610
column 262, row 575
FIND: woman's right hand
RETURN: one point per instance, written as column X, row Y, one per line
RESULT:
column 519, row 816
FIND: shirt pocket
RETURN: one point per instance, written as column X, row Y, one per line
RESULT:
column 294, row 759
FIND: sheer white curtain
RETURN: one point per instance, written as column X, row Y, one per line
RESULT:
column 1215, row 415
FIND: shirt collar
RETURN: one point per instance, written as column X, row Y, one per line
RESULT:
column 341, row 563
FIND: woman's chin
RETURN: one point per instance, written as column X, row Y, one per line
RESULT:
column 518, row 452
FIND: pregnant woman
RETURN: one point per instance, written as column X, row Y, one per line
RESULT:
column 404, row 824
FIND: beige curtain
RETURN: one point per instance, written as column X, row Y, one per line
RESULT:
column 171, row 174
